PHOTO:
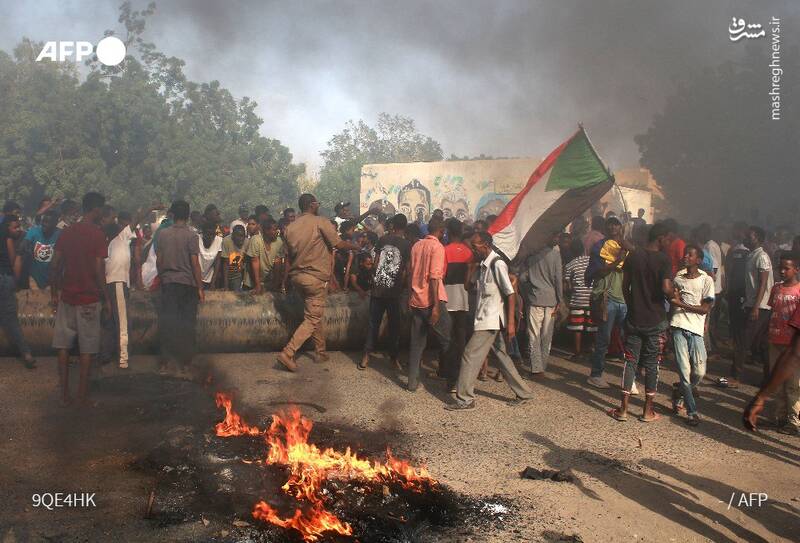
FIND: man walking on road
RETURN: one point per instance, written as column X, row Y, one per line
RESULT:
column 427, row 298
column 77, row 288
column 647, row 283
column 310, row 241
column 542, row 283
column 178, row 264
column 491, row 315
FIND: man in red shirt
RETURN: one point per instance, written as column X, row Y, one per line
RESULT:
column 458, row 258
column 77, row 279
column 427, row 297
column 677, row 247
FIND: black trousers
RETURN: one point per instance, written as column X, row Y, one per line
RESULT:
column 451, row 359
column 377, row 307
column 755, row 336
column 177, row 322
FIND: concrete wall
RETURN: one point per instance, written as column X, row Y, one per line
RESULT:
column 466, row 189
column 472, row 189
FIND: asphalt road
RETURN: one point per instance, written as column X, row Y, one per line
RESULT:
column 661, row 481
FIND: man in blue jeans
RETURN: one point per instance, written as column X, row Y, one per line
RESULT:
column 605, row 275
column 647, row 284
column 692, row 300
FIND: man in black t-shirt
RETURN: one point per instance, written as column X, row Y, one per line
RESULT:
column 392, row 253
column 646, row 285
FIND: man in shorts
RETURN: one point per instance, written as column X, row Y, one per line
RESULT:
column 78, row 293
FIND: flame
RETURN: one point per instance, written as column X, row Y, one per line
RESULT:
column 309, row 467
column 233, row 425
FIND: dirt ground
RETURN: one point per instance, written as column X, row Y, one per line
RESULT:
column 662, row 481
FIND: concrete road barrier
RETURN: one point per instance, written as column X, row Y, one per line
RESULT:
column 227, row 321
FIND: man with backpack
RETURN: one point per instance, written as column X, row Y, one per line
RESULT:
column 495, row 311
column 391, row 270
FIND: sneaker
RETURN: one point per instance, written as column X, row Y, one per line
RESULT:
column 287, row 362
column 693, row 420
column 634, row 389
column 597, row 382
column 458, row 406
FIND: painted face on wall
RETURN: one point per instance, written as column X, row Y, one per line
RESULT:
column 414, row 205
column 458, row 209
column 492, row 207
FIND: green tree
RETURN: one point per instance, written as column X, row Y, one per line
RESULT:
column 139, row 132
column 395, row 139
column 715, row 148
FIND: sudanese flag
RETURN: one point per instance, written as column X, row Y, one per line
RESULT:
column 563, row 186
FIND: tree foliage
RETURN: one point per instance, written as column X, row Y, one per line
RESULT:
column 715, row 148
column 394, row 139
column 138, row 132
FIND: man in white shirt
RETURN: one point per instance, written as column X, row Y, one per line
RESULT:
column 758, row 285
column 491, row 315
column 713, row 250
column 691, row 303
column 118, row 273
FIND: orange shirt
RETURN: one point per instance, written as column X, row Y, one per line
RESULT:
column 427, row 262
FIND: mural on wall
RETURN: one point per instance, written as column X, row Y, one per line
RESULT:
column 466, row 189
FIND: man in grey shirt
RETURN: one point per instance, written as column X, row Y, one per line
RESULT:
column 758, row 285
column 543, row 290
column 181, row 287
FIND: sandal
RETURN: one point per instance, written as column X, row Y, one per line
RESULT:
column 616, row 415
column 654, row 418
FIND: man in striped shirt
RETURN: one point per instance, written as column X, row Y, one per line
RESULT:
column 580, row 317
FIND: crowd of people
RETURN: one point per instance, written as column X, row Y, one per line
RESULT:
column 621, row 288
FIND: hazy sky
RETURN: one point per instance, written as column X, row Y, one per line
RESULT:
column 505, row 78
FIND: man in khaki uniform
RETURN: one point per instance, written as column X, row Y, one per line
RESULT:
column 310, row 241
